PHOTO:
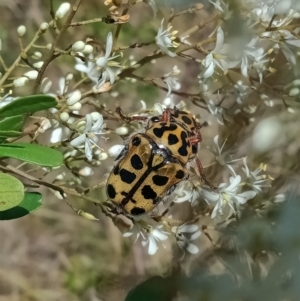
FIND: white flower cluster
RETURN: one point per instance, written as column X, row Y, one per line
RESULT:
column 228, row 67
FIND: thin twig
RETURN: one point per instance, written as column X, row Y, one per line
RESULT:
column 52, row 55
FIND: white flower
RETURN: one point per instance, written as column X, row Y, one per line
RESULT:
column 172, row 81
column 287, row 42
column 221, row 6
column 254, row 179
column 165, row 39
column 187, row 191
column 183, row 192
column 155, row 235
column 217, row 57
column 106, row 63
column 139, row 228
column 252, row 53
column 185, row 234
column 223, row 158
column 88, row 137
column 241, row 90
column 159, row 108
column 227, row 196
column 216, row 110
column 89, row 68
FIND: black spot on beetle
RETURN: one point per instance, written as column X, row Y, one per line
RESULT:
column 159, row 132
column 179, row 174
column 136, row 141
column 148, row 192
column 186, row 120
column 160, row 180
column 137, row 211
column 116, row 170
column 154, row 119
column 127, row 176
column 111, row 191
column 136, row 162
column 172, row 139
column 185, row 144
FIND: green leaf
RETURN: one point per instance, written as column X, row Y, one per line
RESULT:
column 32, row 153
column 28, row 104
column 31, row 202
column 10, row 133
column 11, row 192
column 13, row 123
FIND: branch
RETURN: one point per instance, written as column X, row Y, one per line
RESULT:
column 52, row 56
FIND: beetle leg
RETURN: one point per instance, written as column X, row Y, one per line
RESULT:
column 195, row 139
column 202, row 174
column 166, row 115
column 129, row 119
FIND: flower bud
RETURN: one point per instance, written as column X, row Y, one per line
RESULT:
column 76, row 107
column 80, row 126
column 88, row 49
column 21, row 30
column 78, row 46
column 36, row 55
column 69, row 77
column 86, row 171
column 103, row 156
column 296, row 82
column 294, row 92
column 62, row 10
column 38, row 64
column 115, row 150
column 44, row 26
column 32, row 74
column 49, row 46
column 74, row 98
column 122, row 130
column 60, row 176
column 20, row 82
column 64, row 116
column 87, row 215
column 267, row 135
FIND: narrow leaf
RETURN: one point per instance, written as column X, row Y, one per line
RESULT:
column 32, row 153
column 8, row 134
column 11, row 192
column 13, row 123
column 30, row 202
column 28, row 104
